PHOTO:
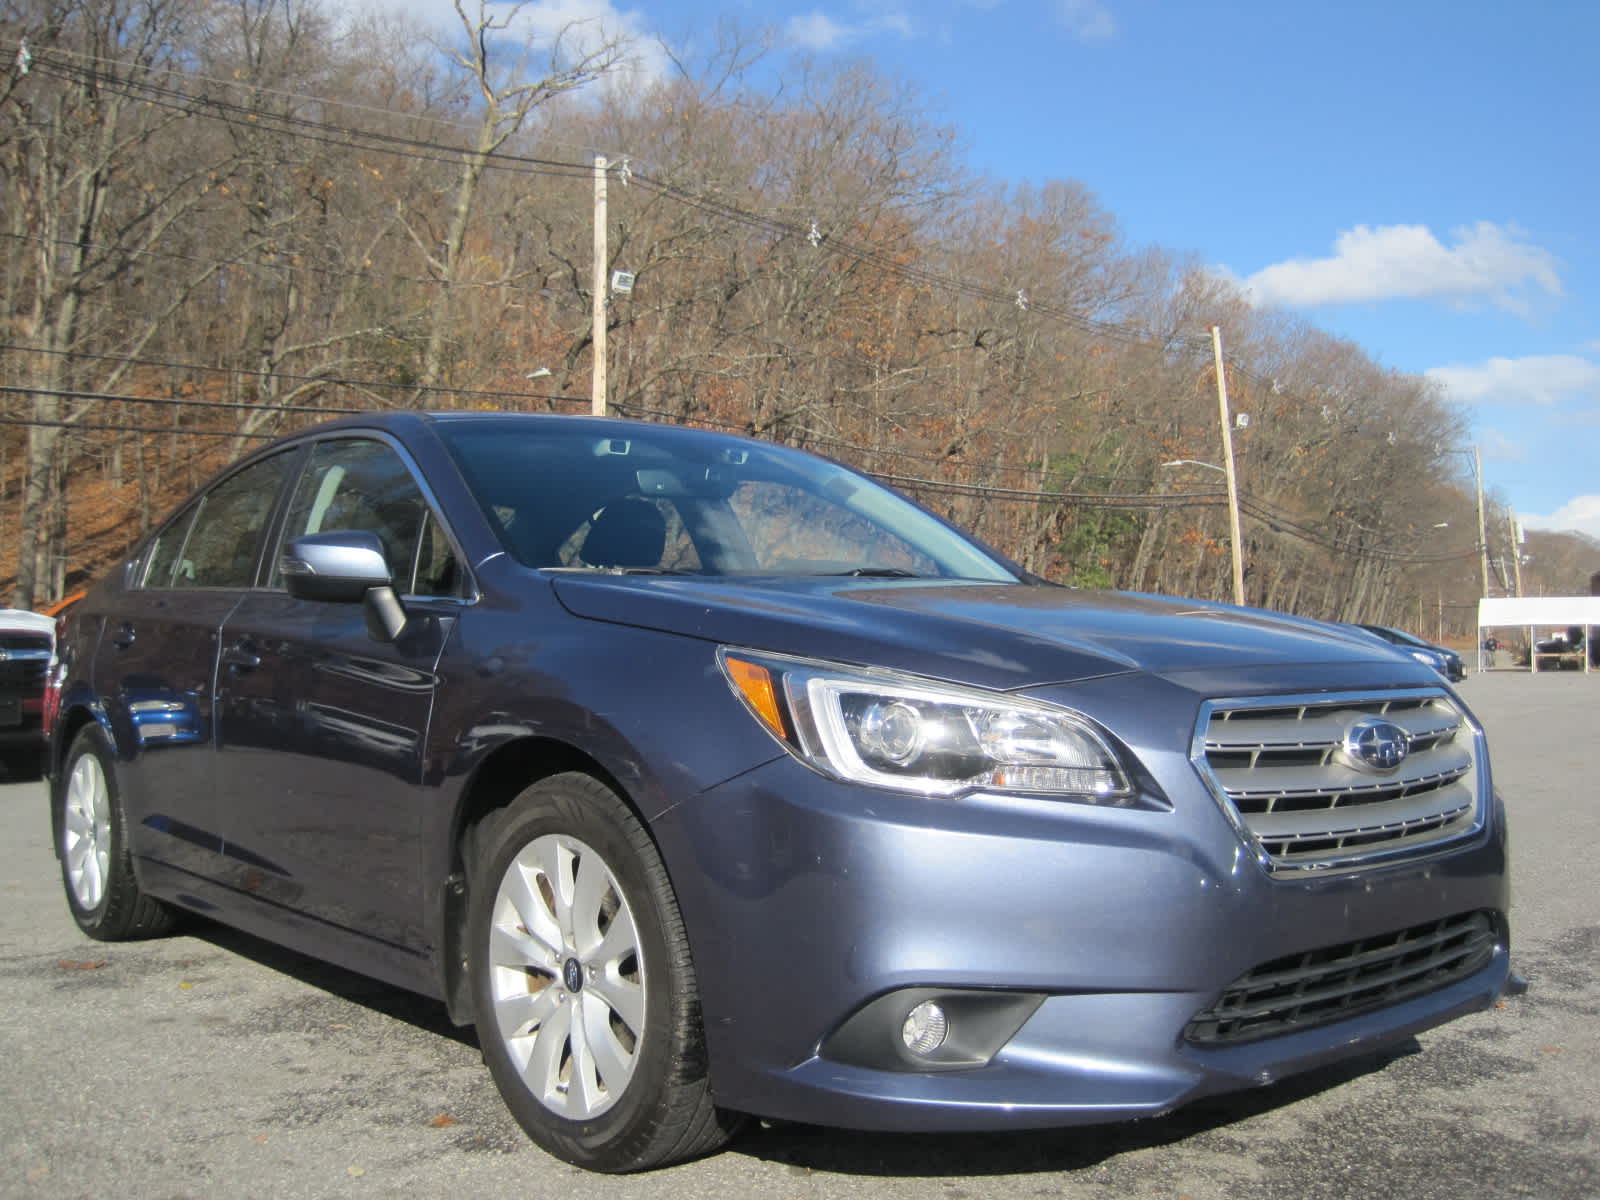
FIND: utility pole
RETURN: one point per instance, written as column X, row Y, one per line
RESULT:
column 597, row 396
column 1483, row 530
column 1516, row 551
column 1227, row 460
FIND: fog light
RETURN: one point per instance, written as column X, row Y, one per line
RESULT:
column 925, row 1028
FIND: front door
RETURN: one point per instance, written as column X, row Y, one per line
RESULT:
column 322, row 729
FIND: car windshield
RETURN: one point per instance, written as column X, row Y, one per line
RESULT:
column 1399, row 637
column 599, row 494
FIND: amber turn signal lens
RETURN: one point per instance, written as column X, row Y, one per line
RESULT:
column 755, row 685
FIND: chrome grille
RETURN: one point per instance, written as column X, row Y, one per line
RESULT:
column 1281, row 771
column 1302, row 991
column 25, row 645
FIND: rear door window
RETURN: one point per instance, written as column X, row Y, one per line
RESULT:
column 218, row 544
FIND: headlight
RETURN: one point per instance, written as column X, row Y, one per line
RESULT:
column 898, row 731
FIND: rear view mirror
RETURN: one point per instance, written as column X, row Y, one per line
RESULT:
column 706, row 483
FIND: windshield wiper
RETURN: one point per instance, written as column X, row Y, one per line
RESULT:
column 882, row 572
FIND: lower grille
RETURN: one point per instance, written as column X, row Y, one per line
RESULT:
column 1318, row 987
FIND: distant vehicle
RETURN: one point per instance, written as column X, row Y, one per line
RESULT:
column 27, row 644
column 710, row 778
column 1569, row 642
column 1441, row 658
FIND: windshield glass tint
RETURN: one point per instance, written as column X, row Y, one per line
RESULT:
column 600, row 495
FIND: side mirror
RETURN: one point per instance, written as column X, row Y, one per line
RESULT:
column 345, row 566
column 340, row 566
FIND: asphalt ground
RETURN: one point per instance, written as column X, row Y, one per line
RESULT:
column 213, row 1065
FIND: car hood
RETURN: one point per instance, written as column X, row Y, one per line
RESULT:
column 21, row 618
column 993, row 635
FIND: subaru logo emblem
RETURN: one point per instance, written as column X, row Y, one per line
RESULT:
column 1376, row 744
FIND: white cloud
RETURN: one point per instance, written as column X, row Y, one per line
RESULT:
column 896, row 21
column 1542, row 379
column 1087, row 20
column 816, row 30
column 1498, row 448
column 1485, row 261
column 1581, row 513
column 583, row 25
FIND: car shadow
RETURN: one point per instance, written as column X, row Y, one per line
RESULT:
column 423, row 1012
column 851, row 1152
column 20, row 769
column 845, row 1152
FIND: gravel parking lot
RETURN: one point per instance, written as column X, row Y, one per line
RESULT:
column 212, row 1065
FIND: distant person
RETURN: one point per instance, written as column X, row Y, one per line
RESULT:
column 1490, row 645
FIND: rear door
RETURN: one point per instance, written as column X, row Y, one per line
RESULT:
column 157, row 664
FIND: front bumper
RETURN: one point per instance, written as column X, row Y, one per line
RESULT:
column 808, row 899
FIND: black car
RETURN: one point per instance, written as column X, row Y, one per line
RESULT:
column 710, row 778
column 1441, row 658
column 27, row 648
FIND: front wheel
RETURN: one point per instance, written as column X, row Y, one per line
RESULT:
column 583, row 989
column 92, row 843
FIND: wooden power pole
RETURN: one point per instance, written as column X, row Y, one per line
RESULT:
column 1483, row 529
column 1227, row 461
column 597, row 395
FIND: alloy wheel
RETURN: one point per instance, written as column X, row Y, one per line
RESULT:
column 566, row 976
column 86, row 832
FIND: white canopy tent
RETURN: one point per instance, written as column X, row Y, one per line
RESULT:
column 1526, row 612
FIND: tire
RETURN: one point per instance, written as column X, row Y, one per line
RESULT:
column 583, row 990
column 92, row 844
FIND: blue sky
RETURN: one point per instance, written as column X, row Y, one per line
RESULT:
column 1420, row 177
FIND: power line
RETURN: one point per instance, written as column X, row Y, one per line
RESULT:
column 352, row 138
column 818, row 439
column 328, row 133
column 180, row 430
column 1087, row 499
column 1160, row 500
column 176, row 401
column 630, row 408
column 322, row 132
column 328, row 380
column 247, row 265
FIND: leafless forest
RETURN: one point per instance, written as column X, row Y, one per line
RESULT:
column 225, row 219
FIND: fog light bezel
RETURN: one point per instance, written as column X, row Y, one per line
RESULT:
column 978, row 1024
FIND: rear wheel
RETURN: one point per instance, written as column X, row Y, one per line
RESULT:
column 583, row 989
column 96, row 868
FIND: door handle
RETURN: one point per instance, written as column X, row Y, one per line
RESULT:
column 241, row 655
column 123, row 637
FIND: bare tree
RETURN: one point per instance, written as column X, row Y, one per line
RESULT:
column 577, row 56
column 83, row 126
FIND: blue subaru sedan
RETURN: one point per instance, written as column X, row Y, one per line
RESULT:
column 710, row 779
